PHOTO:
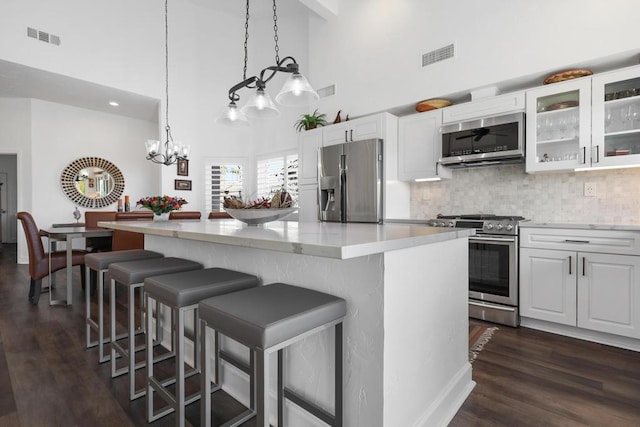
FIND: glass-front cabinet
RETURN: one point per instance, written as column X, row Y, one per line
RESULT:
column 586, row 123
column 559, row 126
column 616, row 118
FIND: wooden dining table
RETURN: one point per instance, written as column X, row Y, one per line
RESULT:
column 67, row 233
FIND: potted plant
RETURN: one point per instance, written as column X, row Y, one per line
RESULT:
column 310, row 121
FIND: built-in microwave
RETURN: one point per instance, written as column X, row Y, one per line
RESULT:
column 484, row 141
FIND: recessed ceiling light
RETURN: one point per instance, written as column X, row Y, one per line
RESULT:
column 113, row 103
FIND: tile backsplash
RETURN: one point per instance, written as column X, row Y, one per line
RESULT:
column 551, row 197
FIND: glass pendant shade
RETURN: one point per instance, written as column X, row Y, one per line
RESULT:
column 184, row 151
column 152, row 146
column 260, row 105
column 297, row 92
column 232, row 116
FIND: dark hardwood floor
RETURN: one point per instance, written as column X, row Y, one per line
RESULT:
column 531, row 378
column 49, row 378
column 524, row 377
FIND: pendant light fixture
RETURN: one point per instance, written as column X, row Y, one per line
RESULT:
column 232, row 115
column 296, row 91
column 169, row 152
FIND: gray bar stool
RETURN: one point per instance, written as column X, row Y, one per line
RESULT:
column 182, row 292
column 132, row 274
column 100, row 262
column 268, row 319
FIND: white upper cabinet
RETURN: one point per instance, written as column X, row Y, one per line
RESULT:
column 616, row 118
column 308, row 144
column 559, row 126
column 485, row 107
column 420, row 146
column 356, row 130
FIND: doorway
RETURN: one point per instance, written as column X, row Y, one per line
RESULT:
column 8, row 198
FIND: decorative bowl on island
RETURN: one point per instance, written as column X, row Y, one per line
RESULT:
column 259, row 216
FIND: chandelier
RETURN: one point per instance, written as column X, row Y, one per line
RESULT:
column 296, row 91
column 167, row 152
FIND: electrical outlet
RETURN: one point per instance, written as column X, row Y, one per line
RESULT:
column 589, row 189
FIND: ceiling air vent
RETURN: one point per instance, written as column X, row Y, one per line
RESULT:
column 327, row 91
column 43, row 36
column 438, row 55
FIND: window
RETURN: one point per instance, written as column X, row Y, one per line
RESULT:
column 221, row 180
column 276, row 173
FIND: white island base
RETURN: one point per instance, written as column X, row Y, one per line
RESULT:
column 406, row 330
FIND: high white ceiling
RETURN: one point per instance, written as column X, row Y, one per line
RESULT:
column 25, row 82
column 19, row 81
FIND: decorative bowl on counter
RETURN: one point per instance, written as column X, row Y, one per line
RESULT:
column 259, row 216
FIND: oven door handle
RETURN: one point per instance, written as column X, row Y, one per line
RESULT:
column 492, row 239
column 493, row 306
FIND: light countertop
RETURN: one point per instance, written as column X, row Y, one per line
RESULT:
column 575, row 226
column 324, row 239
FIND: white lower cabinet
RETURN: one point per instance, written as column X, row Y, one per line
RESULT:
column 548, row 285
column 609, row 294
column 589, row 290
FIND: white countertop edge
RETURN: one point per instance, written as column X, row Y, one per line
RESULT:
column 574, row 226
column 335, row 245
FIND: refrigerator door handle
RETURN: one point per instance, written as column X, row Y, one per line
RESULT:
column 343, row 188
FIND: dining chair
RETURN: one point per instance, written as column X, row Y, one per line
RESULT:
column 123, row 240
column 98, row 244
column 39, row 259
column 219, row 215
column 185, row 215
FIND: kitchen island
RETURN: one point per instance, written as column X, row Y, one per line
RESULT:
column 406, row 287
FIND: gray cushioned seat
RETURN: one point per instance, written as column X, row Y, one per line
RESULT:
column 268, row 315
column 188, row 288
column 131, row 272
column 102, row 260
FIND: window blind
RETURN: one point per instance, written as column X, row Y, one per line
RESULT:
column 221, row 180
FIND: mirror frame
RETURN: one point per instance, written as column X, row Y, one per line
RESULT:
column 68, row 182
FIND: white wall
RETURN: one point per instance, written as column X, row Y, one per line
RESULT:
column 372, row 49
column 15, row 138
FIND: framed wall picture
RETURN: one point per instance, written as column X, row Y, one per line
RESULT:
column 183, row 184
column 183, row 167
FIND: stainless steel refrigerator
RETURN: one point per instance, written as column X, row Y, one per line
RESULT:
column 350, row 182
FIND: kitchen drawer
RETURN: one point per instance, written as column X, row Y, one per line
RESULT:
column 604, row 241
column 492, row 106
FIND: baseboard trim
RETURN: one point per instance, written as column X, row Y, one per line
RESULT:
column 582, row 334
column 447, row 404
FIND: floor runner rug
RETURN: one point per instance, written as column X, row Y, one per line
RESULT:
column 479, row 336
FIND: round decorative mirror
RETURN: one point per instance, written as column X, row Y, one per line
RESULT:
column 92, row 182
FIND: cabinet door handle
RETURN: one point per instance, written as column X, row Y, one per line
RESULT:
column 569, row 265
column 351, row 135
column 584, row 155
column 597, row 154
column 575, row 241
column 583, row 266
column 345, row 135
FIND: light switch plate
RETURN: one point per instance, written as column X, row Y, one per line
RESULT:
column 589, row 189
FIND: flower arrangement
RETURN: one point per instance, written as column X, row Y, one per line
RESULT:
column 161, row 204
